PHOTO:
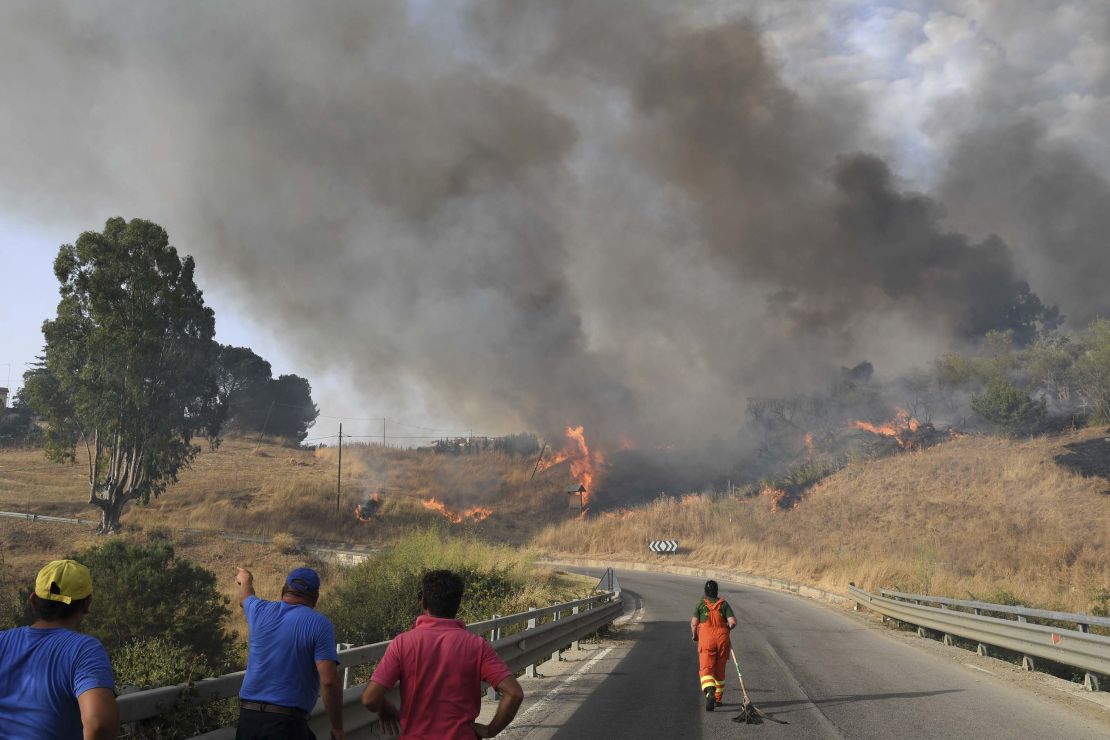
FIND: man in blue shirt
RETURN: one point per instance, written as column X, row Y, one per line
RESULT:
column 54, row 681
column 291, row 659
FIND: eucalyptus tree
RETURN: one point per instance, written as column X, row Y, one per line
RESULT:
column 128, row 374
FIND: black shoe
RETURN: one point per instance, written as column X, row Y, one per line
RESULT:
column 710, row 700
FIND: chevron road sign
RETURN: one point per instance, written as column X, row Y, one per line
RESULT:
column 663, row 546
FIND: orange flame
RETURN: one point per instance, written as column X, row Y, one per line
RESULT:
column 477, row 513
column 899, row 428
column 809, row 441
column 777, row 496
column 585, row 464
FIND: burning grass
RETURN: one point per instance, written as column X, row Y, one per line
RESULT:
column 969, row 517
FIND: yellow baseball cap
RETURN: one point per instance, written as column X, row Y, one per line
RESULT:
column 63, row 580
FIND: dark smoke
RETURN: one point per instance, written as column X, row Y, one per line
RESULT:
column 526, row 214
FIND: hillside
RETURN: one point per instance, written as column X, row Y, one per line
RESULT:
column 978, row 516
column 269, row 489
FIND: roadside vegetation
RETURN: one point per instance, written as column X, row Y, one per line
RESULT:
column 182, row 623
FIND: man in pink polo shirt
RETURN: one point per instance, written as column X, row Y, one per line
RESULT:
column 441, row 668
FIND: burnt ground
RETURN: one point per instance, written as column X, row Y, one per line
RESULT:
column 1090, row 458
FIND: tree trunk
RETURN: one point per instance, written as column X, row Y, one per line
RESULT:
column 109, row 516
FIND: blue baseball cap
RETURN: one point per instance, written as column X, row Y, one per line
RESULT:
column 303, row 579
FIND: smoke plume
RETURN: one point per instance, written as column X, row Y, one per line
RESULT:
column 533, row 214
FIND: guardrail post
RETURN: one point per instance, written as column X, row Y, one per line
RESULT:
column 346, row 670
column 577, row 647
column 558, row 654
column 494, row 636
column 981, row 649
column 530, row 671
column 1085, row 628
column 1027, row 663
column 948, row 640
column 1090, row 682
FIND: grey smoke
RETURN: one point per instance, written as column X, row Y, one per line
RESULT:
column 533, row 214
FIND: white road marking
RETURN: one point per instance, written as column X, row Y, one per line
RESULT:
column 984, row 670
column 633, row 618
column 546, row 698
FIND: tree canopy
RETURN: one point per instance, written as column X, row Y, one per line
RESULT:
column 143, row 591
column 257, row 402
column 128, row 371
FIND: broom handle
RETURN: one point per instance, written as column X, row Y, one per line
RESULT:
column 739, row 675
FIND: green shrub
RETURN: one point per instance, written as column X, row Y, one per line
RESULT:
column 379, row 598
column 1009, row 408
column 142, row 592
column 154, row 662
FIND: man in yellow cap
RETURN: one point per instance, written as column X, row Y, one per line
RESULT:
column 54, row 681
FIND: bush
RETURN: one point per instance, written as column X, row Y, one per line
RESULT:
column 378, row 598
column 142, row 592
column 286, row 543
column 1009, row 408
column 154, row 662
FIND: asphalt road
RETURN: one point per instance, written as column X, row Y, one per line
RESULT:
column 826, row 673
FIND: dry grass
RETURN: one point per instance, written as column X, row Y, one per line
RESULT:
column 971, row 517
column 273, row 489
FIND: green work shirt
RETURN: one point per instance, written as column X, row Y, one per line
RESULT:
column 701, row 611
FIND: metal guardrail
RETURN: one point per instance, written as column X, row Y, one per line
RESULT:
column 44, row 518
column 319, row 546
column 1076, row 648
column 1084, row 621
column 569, row 622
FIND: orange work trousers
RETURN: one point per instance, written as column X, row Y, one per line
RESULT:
column 713, row 652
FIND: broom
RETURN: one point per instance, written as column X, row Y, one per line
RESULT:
column 750, row 714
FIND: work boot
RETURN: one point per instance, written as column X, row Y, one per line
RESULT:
column 710, row 700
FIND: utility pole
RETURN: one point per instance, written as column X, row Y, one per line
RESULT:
column 383, row 431
column 339, row 477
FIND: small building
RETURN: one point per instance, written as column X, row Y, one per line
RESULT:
column 576, row 494
column 3, row 398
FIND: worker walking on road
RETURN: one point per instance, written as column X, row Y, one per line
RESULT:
column 710, row 626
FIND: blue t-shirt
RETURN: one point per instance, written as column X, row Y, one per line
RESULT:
column 285, row 642
column 42, row 672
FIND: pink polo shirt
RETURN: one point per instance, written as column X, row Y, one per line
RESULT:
column 441, row 668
